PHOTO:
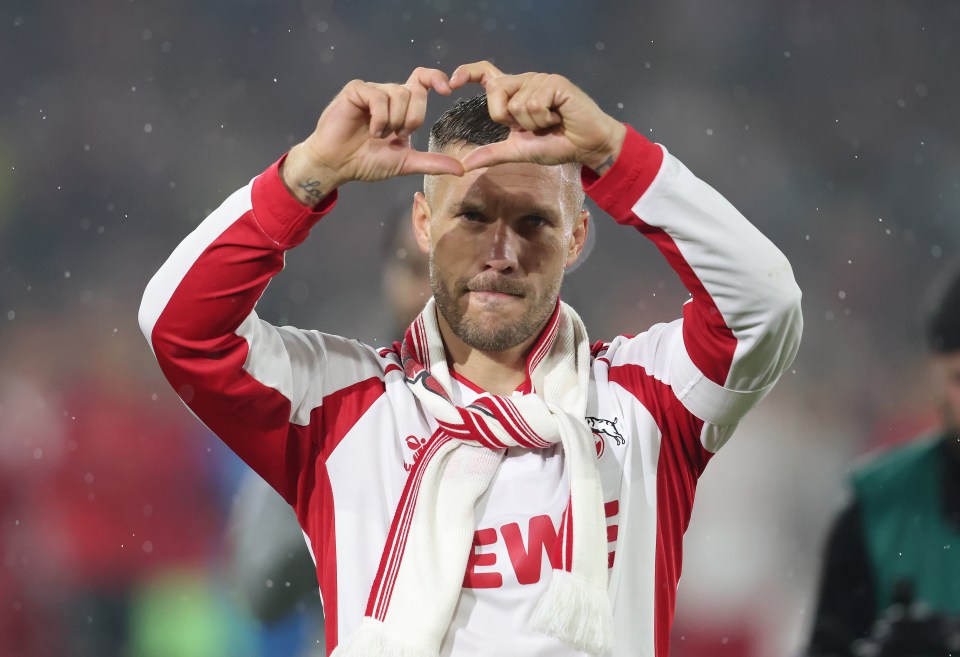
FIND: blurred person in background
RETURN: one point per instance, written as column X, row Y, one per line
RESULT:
column 270, row 562
column 111, row 535
column 891, row 579
column 326, row 419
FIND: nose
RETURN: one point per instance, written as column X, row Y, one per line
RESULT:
column 502, row 249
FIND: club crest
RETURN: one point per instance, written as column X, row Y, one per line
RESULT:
column 601, row 428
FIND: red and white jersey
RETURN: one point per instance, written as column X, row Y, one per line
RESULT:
column 331, row 425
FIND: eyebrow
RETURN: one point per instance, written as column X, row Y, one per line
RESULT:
column 468, row 206
column 478, row 206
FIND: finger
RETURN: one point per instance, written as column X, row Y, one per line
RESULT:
column 416, row 113
column 377, row 104
column 499, row 92
column 416, row 109
column 519, row 109
column 478, row 72
column 430, row 78
column 420, row 82
column 399, row 103
column 491, row 154
column 497, row 100
column 431, row 164
column 533, row 103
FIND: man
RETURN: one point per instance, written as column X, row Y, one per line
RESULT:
column 895, row 542
column 433, row 478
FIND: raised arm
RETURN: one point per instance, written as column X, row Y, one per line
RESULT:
column 742, row 328
column 263, row 389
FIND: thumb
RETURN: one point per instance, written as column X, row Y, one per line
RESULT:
column 491, row 154
column 431, row 164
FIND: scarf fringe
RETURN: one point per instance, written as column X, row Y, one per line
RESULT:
column 372, row 640
column 576, row 613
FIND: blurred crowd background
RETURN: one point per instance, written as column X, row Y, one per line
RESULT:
column 832, row 126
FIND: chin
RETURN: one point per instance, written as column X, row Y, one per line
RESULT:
column 493, row 335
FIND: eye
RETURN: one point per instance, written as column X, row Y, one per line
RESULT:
column 536, row 220
column 472, row 216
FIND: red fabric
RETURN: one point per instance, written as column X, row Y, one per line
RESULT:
column 632, row 173
column 710, row 344
column 325, row 553
column 482, row 580
column 706, row 336
column 210, row 352
column 527, row 559
column 681, row 461
column 342, row 409
column 281, row 216
column 708, row 339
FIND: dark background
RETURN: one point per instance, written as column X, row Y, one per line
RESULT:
column 832, row 126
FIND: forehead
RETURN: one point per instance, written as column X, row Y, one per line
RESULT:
column 516, row 185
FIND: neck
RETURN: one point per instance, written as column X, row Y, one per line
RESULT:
column 497, row 372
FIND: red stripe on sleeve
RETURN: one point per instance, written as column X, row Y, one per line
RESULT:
column 708, row 339
column 706, row 336
column 203, row 358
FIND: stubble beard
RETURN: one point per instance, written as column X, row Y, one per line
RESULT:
column 502, row 337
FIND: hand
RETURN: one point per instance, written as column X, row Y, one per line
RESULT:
column 551, row 120
column 364, row 134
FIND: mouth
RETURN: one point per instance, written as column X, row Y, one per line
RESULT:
column 494, row 291
column 492, row 295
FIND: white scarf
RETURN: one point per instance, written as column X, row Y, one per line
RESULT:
column 418, row 583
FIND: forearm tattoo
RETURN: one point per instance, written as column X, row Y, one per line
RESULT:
column 311, row 187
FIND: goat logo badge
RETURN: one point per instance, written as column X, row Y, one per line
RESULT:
column 601, row 428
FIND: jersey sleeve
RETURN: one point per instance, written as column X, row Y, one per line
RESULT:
column 741, row 328
column 277, row 396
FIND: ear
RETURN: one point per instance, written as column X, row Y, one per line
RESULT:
column 421, row 222
column 578, row 238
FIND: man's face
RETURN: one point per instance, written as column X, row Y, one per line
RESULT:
column 947, row 371
column 499, row 240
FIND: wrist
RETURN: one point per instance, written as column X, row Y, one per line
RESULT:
column 602, row 158
column 307, row 177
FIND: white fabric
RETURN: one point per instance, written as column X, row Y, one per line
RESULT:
column 423, row 562
column 365, row 424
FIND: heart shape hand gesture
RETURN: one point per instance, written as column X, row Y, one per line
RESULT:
column 364, row 133
column 551, row 120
